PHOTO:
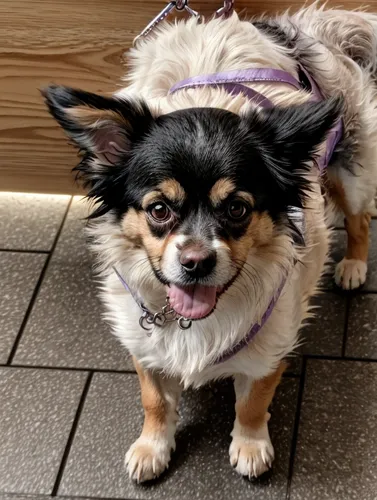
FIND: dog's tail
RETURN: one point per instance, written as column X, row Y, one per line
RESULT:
column 353, row 33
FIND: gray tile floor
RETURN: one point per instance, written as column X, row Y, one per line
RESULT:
column 69, row 399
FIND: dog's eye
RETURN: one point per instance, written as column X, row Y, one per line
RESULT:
column 237, row 210
column 159, row 212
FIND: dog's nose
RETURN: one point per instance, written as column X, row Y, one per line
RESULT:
column 197, row 261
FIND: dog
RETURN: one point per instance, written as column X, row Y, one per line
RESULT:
column 211, row 225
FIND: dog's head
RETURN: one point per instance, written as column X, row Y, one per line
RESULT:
column 200, row 189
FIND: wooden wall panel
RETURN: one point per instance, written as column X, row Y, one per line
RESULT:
column 72, row 42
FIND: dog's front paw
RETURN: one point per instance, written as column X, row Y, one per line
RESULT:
column 147, row 458
column 350, row 273
column 251, row 455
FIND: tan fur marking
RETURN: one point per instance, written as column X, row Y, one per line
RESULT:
column 258, row 233
column 136, row 228
column 246, row 197
column 357, row 226
column 155, row 408
column 131, row 226
column 90, row 117
column 172, row 190
column 150, row 198
column 252, row 411
column 221, row 190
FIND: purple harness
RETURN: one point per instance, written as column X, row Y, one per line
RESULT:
column 233, row 82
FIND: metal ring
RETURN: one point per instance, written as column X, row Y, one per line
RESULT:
column 149, row 318
column 182, row 325
column 159, row 319
column 141, row 323
column 180, row 4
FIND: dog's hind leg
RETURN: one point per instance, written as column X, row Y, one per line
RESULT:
column 251, row 451
column 150, row 454
column 351, row 271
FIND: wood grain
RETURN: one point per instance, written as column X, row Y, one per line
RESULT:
column 76, row 43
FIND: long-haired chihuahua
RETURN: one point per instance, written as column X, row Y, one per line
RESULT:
column 215, row 173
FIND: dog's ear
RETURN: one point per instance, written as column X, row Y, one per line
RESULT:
column 299, row 130
column 102, row 126
column 291, row 137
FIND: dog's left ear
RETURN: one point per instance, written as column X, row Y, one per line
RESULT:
column 106, row 127
column 299, row 130
column 289, row 139
column 296, row 132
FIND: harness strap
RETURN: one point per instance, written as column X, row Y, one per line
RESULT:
column 232, row 351
column 232, row 82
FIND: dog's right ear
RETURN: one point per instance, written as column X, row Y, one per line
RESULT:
column 105, row 127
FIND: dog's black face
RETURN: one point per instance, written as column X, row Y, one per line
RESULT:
column 198, row 188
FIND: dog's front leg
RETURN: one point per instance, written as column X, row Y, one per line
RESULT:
column 251, row 451
column 150, row 454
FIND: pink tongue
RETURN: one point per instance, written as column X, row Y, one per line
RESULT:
column 194, row 302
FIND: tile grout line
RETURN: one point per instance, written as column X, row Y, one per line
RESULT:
column 33, row 496
column 21, row 250
column 38, row 286
column 296, row 426
column 346, row 293
column 96, row 370
column 329, row 357
column 322, row 357
column 345, row 331
column 93, row 498
column 68, row 446
column 67, row 368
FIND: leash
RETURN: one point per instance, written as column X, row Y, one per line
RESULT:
column 181, row 6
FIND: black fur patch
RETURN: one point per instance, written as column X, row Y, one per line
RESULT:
column 279, row 36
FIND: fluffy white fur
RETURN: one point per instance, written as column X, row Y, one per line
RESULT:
column 185, row 49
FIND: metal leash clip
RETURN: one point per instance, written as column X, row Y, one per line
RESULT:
column 167, row 315
column 226, row 10
column 146, row 318
column 179, row 5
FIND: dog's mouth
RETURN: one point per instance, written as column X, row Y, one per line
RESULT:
column 194, row 301
column 197, row 301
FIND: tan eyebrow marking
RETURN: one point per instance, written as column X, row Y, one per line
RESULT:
column 172, row 190
column 221, row 190
column 169, row 188
column 150, row 198
column 245, row 196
